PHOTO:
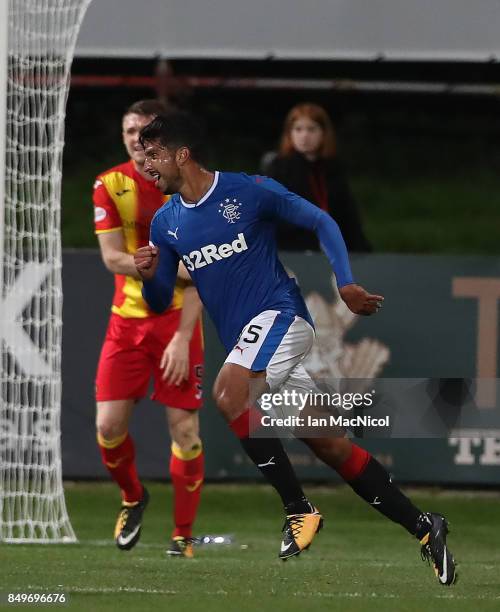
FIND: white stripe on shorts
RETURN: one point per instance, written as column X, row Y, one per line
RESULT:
column 273, row 341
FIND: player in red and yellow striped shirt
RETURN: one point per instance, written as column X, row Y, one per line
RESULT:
column 140, row 344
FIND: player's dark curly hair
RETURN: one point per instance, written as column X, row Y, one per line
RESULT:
column 176, row 129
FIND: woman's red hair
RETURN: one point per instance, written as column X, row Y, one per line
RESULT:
column 317, row 114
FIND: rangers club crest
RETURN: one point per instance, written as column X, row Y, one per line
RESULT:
column 230, row 210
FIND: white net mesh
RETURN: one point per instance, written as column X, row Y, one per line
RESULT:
column 41, row 40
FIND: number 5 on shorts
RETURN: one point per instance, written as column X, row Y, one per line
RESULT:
column 252, row 334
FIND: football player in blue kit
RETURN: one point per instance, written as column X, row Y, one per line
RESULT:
column 221, row 225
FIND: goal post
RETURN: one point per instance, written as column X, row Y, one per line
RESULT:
column 4, row 15
column 36, row 50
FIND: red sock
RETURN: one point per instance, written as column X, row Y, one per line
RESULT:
column 186, row 472
column 118, row 456
column 248, row 422
column 355, row 464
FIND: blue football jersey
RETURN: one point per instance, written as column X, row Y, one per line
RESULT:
column 227, row 242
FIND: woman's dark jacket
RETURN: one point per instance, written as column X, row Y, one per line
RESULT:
column 323, row 183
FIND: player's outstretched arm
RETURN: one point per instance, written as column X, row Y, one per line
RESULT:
column 292, row 208
column 285, row 205
column 357, row 299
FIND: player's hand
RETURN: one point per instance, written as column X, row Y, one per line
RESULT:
column 175, row 360
column 146, row 261
column 359, row 301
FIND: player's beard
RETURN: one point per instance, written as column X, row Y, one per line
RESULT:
column 166, row 190
column 171, row 185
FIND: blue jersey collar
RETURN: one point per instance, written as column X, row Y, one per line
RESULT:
column 205, row 197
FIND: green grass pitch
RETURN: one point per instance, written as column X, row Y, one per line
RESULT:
column 360, row 561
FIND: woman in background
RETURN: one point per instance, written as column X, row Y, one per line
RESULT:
column 307, row 164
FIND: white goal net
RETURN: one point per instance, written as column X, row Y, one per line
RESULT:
column 34, row 80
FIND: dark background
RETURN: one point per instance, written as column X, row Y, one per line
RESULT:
column 424, row 167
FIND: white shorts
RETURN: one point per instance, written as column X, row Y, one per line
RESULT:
column 277, row 343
